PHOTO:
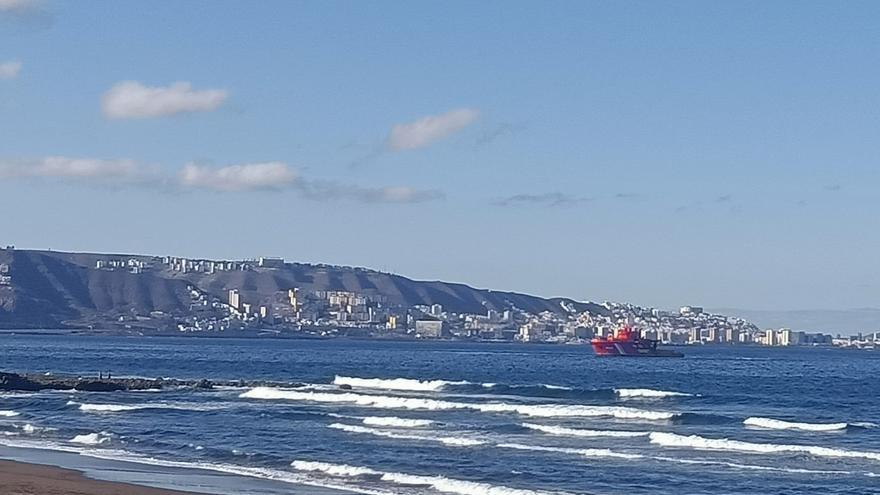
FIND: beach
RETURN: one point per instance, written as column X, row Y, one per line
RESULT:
column 19, row 478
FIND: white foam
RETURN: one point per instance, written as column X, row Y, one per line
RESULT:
column 578, row 432
column 554, row 387
column 567, row 450
column 115, row 408
column 396, row 422
column 446, row 440
column 393, row 402
column 776, row 424
column 91, row 439
column 8, row 414
column 407, row 384
column 438, row 483
column 723, row 444
column 647, row 393
column 749, row 467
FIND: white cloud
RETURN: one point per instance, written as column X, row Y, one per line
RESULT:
column 10, row 70
column 398, row 194
column 192, row 176
column 19, row 6
column 30, row 12
column 245, row 177
column 133, row 100
column 427, row 130
column 331, row 191
column 86, row 169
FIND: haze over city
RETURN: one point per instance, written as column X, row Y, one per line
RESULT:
column 664, row 154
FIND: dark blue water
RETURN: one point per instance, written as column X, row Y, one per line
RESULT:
column 510, row 419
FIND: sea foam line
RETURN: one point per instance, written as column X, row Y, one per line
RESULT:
column 723, row 444
column 647, row 393
column 92, row 438
column 97, row 452
column 573, row 451
column 446, row 440
column 777, row 424
column 114, row 408
column 392, row 402
column 439, row 483
column 406, row 384
column 578, row 432
column 8, row 414
column 396, row 422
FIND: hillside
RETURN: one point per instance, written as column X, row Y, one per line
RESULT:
column 52, row 289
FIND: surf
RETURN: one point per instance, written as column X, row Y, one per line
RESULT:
column 723, row 444
column 578, row 432
column 777, row 424
column 395, row 402
column 438, row 483
column 405, row 384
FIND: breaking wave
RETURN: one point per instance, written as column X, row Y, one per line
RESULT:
column 567, row 450
column 391, row 402
column 8, row 414
column 578, row 432
column 396, row 422
column 114, row 408
column 776, row 424
column 438, row 483
column 92, row 439
column 452, row 441
column 723, row 444
column 647, row 393
column 407, row 384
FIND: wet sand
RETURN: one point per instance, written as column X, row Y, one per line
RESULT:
column 18, row 478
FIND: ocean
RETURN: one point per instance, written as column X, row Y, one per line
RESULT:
column 382, row 418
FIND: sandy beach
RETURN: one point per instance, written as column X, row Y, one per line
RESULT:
column 18, row 478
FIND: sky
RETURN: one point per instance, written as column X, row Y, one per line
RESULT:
column 722, row 154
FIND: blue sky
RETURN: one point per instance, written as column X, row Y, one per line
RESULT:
column 662, row 153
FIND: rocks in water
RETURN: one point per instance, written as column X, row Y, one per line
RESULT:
column 48, row 381
column 203, row 384
column 345, row 386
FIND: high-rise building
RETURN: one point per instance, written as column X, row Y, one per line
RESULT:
column 732, row 336
column 234, row 298
column 293, row 295
column 436, row 309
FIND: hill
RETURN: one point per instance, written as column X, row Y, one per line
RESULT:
column 50, row 289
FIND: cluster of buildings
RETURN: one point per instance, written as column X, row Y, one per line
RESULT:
column 329, row 312
column 5, row 277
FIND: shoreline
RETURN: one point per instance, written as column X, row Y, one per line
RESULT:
column 21, row 478
column 44, row 470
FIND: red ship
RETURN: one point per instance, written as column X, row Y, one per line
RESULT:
column 629, row 343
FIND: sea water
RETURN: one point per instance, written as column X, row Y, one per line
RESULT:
column 462, row 418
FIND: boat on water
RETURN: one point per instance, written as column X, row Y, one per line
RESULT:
column 627, row 342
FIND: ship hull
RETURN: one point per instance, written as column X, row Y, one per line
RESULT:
column 610, row 348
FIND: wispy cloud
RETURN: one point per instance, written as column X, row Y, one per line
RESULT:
column 329, row 191
column 244, row 177
column 238, row 178
column 19, row 6
column 28, row 11
column 543, row 199
column 499, row 131
column 80, row 169
column 133, row 100
column 832, row 187
column 10, row 70
column 430, row 129
column 627, row 195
